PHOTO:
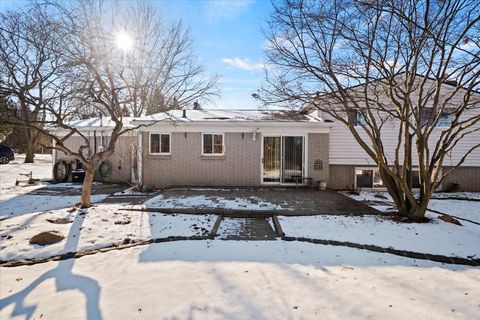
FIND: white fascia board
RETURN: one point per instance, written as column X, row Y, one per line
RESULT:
column 251, row 126
column 86, row 130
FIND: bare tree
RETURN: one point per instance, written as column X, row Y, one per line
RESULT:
column 104, row 73
column 28, row 67
column 178, row 80
column 376, row 66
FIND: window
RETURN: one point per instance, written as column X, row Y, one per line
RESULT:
column 377, row 180
column 212, row 144
column 356, row 118
column 368, row 178
column 364, row 178
column 444, row 120
column 415, row 179
column 159, row 143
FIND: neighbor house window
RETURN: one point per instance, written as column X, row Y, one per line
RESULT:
column 212, row 144
column 443, row 121
column 356, row 118
column 368, row 178
column 415, row 179
column 159, row 143
column 364, row 178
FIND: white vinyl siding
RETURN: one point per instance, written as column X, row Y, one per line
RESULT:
column 345, row 150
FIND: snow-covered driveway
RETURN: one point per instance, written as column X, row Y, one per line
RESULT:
column 239, row 280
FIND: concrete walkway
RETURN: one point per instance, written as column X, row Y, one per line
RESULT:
column 246, row 229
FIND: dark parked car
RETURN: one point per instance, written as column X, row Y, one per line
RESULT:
column 6, row 154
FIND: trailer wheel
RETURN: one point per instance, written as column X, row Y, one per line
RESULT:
column 61, row 171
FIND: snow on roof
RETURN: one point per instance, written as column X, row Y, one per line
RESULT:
column 101, row 122
column 228, row 115
column 216, row 115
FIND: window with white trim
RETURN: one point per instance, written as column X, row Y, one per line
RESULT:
column 159, row 143
column 212, row 144
column 356, row 118
column 444, row 120
column 368, row 178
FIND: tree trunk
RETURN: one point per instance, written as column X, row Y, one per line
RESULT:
column 418, row 214
column 29, row 151
column 29, row 154
column 31, row 146
column 87, row 186
column 414, row 211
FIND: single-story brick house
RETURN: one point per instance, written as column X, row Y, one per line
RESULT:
column 227, row 147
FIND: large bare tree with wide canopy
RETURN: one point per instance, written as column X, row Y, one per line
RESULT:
column 115, row 59
column 376, row 65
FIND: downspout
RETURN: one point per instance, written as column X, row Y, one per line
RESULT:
column 94, row 142
column 140, row 158
column 54, row 155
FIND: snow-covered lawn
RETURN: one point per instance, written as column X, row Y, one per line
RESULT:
column 239, row 280
column 238, row 203
column 26, row 204
column 41, row 169
column 441, row 201
column 436, row 237
column 215, row 279
column 97, row 227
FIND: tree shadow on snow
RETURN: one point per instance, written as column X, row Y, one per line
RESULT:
column 64, row 279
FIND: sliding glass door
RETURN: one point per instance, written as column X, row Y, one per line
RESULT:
column 292, row 164
column 283, row 159
column 271, row 159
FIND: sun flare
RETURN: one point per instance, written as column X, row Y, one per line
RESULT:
column 124, row 41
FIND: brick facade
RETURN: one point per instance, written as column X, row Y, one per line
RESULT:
column 185, row 166
column 318, row 150
column 239, row 166
column 342, row 177
column 467, row 177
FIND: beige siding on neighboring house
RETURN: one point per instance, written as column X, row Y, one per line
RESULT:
column 344, row 149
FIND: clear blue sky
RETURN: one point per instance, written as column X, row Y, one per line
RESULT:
column 228, row 40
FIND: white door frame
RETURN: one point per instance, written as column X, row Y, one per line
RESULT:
column 305, row 157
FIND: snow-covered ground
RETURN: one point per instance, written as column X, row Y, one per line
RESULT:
column 11, row 172
column 97, row 227
column 239, row 280
column 443, row 202
column 238, row 203
column 215, row 279
column 436, row 237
